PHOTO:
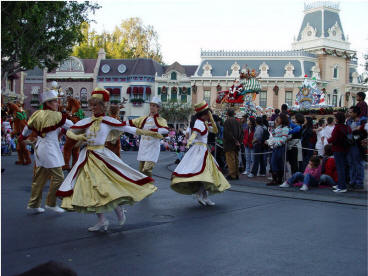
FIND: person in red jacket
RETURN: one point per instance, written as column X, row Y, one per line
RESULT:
column 247, row 141
column 340, row 149
column 329, row 172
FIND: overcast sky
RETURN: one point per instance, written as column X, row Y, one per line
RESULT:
column 186, row 26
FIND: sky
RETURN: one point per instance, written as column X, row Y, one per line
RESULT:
column 185, row 27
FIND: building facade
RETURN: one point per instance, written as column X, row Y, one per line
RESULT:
column 321, row 50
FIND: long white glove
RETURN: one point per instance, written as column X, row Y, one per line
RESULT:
column 191, row 139
column 214, row 126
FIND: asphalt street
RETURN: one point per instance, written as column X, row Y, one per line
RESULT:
column 246, row 233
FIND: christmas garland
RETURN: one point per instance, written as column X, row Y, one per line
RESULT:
column 335, row 53
column 319, row 111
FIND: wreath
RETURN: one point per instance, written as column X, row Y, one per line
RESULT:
column 164, row 90
column 276, row 89
column 184, row 90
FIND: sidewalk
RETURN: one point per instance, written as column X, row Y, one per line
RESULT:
column 257, row 185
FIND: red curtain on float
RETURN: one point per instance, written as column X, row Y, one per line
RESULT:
column 148, row 90
column 129, row 91
column 140, row 90
column 135, row 90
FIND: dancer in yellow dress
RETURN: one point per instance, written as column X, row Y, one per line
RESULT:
column 100, row 181
column 198, row 173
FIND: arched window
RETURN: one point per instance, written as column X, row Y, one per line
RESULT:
column 334, row 97
column 173, row 76
column 83, row 97
column 71, row 64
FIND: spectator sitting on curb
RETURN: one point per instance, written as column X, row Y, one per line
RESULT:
column 310, row 177
column 328, row 168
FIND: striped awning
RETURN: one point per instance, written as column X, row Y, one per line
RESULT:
column 252, row 86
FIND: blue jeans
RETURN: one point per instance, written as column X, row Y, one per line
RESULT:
column 327, row 179
column 306, row 179
column 249, row 156
column 307, row 154
column 356, row 167
column 278, row 159
column 258, row 160
column 340, row 160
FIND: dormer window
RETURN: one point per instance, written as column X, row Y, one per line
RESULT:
column 173, row 76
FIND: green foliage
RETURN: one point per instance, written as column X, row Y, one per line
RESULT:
column 319, row 111
column 131, row 39
column 137, row 100
column 175, row 112
column 40, row 33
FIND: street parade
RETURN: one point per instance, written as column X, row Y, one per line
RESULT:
column 247, row 163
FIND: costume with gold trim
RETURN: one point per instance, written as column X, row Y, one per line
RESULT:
column 149, row 147
column 47, row 124
column 198, row 166
column 100, row 181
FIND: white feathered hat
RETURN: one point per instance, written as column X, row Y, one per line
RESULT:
column 156, row 100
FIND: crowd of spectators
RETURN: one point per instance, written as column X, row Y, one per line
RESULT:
column 324, row 151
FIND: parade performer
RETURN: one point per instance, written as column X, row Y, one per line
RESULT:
column 149, row 147
column 71, row 148
column 198, row 173
column 100, row 181
column 19, row 122
column 114, row 146
column 48, row 123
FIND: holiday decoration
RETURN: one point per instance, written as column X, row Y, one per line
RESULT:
column 242, row 93
column 309, row 95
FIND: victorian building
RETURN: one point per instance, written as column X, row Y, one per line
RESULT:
column 321, row 50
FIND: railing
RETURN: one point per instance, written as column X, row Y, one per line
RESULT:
column 223, row 53
column 318, row 4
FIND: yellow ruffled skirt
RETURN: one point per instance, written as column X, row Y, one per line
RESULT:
column 100, row 185
column 211, row 177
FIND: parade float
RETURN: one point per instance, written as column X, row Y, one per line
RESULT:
column 241, row 95
column 310, row 100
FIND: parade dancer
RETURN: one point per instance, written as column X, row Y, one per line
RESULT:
column 198, row 173
column 114, row 146
column 48, row 123
column 149, row 147
column 100, row 181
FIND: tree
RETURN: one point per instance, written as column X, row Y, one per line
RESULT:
column 132, row 39
column 40, row 33
column 175, row 112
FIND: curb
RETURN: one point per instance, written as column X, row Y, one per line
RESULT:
column 300, row 195
column 288, row 193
